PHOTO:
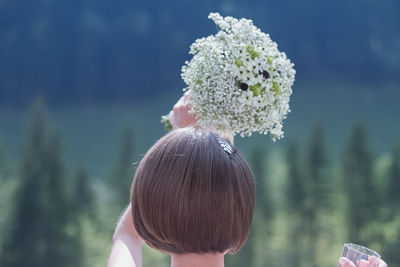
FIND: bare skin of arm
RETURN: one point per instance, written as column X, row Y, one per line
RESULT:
column 127, row 244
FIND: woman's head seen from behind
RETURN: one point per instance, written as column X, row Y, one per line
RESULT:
column 189, row 195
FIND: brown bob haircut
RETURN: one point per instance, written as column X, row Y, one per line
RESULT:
column 191, row 196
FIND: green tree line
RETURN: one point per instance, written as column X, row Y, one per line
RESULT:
column 307, row 203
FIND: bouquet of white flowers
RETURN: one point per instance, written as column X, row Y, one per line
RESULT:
column 239, row 82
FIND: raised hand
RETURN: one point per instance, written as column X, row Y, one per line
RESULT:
column 179, row 116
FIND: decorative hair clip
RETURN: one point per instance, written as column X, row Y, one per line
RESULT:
column 225, row 145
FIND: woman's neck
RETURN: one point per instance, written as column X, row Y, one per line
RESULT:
column 197, row 260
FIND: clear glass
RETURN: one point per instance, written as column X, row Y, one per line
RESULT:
column 355, row 253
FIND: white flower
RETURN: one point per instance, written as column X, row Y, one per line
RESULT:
column 239, row 80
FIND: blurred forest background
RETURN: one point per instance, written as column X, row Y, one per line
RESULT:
column 83, row 85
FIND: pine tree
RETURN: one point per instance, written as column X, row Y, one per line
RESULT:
column 391, row 248
column 25, row 245
column 58, row 210
column 263, row 201
column 317, row 190
column 84, row 195
column 318, row 181
column 39, row 231
column 296, row 187
column 123, row 174
column 263, row 207
column 358, row 184
column 296, row 195
column 393, row 189
column 2, row 163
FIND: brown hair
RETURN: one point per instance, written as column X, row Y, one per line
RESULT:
column 189, row 195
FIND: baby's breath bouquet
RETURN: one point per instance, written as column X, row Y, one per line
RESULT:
column 239, row 81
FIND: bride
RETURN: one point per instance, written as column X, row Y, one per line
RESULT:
column 192, row 197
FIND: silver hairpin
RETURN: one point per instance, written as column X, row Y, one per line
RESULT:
column 225, row 145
